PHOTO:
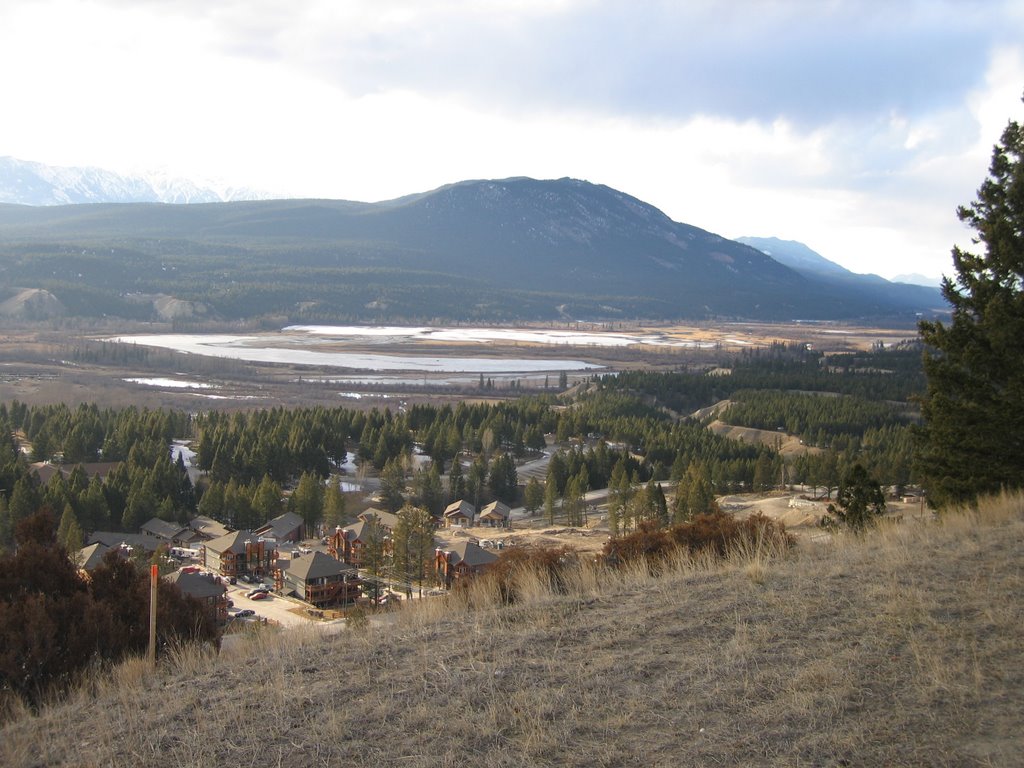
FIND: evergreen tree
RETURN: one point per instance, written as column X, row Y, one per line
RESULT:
column 456, row 481
column 412, row 544
column 266, row 500
column 307, row 501
column 550, row 500
column 476, row 482
column 974, row 404
column 392, row 485
column 858, row 503
column 69, row 532
column 25, row 500
column 426, row 484
column 334, row 506
column 6, row 526
column 533, row 496
column 212, row 502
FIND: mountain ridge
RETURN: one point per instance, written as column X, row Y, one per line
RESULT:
column 25, row 182
column 487, row 250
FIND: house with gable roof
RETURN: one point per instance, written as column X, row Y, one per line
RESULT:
column 170, row 534
column 496, row 514
column 386, row 520
column 349, row 544
column 207, row 527
column 458, row 513
column 461, row 560
column 240, row 553
column 207, row 589
column 319, row 579
column 287, row 527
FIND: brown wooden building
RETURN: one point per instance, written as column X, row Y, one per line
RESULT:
column 205, row 588
column 349, row 544
column 461, row 560
column 320, row 580
column 241, row 553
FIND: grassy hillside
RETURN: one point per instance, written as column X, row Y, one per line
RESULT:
column 900, row 648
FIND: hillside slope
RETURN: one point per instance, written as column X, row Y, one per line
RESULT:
column 901, row 648
column 489, row 250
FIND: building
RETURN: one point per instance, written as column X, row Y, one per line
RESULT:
column 350, row 544
column 386, row 520
column 496, row 514
column 241, row 553
column 320, row 580
column 459, row 513
column 288, row 527
column 207, row 589
column 132, row 542
column 171, row 534
column 207, row 528
column 461, row 560
column 46, row 470
column 91, row 556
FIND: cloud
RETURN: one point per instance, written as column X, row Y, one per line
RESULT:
column 807, row 61
column 856, row 127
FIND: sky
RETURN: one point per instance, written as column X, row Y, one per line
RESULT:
column 856, row 128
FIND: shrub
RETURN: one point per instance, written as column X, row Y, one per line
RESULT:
column 54, row 624
column 550, row 564
column 717, row 534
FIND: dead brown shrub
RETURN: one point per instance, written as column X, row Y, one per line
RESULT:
column 717, row 534
column 550, row 565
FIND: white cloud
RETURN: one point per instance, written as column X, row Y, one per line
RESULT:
column 752, row 127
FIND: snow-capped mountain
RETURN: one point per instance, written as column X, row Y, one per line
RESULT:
column 28, row 183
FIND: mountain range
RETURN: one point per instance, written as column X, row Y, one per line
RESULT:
column 486, row 251
column 28, row 183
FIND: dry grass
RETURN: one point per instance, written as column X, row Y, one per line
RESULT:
column 901, row 647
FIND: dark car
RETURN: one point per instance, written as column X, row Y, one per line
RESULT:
column 245, row 613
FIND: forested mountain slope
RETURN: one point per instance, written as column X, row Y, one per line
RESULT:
column 483, row 250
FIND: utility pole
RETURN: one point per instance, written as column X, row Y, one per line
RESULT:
column 153, row 576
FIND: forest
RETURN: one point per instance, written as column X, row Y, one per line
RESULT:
column 621, row 432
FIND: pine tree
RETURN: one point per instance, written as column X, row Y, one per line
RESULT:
column 858, row 503
column 974, row 404
column 550, row 500
column 69, row 532
column 307, row 501
column 456, row 481
column 334, row 506
column 533, row 496
column 392, row 485
column 266, row 500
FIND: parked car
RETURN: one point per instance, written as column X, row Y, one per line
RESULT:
column 190, row 569
column 260, row 596
column 245, row 613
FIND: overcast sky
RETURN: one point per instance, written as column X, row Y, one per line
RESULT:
column 854, row 127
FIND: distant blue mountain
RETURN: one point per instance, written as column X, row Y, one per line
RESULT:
column 795, row 255
column 814, row 266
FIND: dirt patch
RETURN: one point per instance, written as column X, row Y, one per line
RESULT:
column 787, row 445
column 529, row 533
